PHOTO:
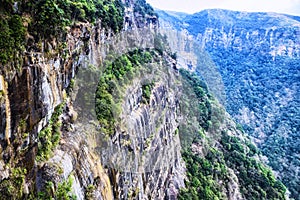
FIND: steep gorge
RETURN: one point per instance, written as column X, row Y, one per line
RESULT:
column 97, row 109
column 255, row 61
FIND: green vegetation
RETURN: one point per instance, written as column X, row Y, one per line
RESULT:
column 257, row 83
column 199, row 88
column 143, row 8
column 49, row 137
column 195, row 106
column 160, row 44
column 257, row 181
column 12, row 37
column 263, row 85
column 146, row 89
column 53, row 16
column 12, row 188
column 62, row 192
column 118, row 73
column 207, row 170
column 48, row 19
column 204, row 174
column 89, row 192
column 71, row 86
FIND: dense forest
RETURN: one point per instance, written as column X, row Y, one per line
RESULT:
column 208, row 171
column 267, row 88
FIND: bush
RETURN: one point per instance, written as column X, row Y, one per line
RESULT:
column 49, row 137
column 61, row 192
column 12, row 36
column 146, row 92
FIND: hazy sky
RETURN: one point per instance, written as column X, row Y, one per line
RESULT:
column 192, row 6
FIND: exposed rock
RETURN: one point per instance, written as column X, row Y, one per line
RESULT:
column 144, row 154
column 29, row 96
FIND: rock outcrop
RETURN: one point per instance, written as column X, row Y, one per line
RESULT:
column 141, row 160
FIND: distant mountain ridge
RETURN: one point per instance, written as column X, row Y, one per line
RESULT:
column 228, row 17
column 258, row 57
column 228, row 27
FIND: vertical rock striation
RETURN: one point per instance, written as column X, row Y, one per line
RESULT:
column 29, row 96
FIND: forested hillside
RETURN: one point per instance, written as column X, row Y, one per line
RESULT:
column 221, row 161
column 257, row 56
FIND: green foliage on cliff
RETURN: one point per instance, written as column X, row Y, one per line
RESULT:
column 146, row 91
column 265, row 86
column 210, row 152
column 61, row 192
column 12, row 187
column 48, row 19
column 203, row 111
column 89, row 192
column 52, row 16
column 49, row 137
column 204, row 174
column 143, row 8
column 117, row 74
column 12, row 36
column 260, row 84
column 257, row 181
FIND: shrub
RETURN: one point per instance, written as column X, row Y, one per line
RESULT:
column 49, row 137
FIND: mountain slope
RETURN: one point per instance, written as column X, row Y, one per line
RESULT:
column 257, row 56
column 221, row 162
column 93, row 106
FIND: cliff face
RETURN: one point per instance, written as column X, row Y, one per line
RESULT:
column 143, row 156
column 260, row 33
column 253, row 57
column 30, row 95
column 93, row 106
column 272, row 34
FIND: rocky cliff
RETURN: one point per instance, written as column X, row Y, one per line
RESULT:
column 93, row 106
column 255, row 61
column 43, row 148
